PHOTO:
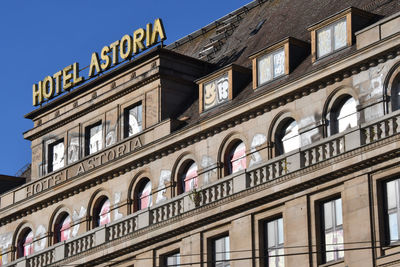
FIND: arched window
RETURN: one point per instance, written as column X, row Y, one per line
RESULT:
column 395, row 94
column 343, row 115
column 235, row 158
column 187, row 177
column 287, row 137
column 62, row 228
column 25, row 243
column 101, row 212
column 143, row 197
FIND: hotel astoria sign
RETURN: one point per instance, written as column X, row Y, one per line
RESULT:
column 110, row 55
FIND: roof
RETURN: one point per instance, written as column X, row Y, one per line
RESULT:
column 283, row 18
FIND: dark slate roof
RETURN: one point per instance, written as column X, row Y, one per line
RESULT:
column 283, row 18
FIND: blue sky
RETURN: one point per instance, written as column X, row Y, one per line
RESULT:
column 38, row 38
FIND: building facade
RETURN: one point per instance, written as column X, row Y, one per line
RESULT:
column 267, row 138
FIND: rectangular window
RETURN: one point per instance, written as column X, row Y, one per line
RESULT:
column 274, row 243
column 270, row 66
column 173, row 259
column 133, row 120
column 392, row 210
column 221, row 252
column 331, row 38
column 56, row 155
column 332, row 228
column 216, row 92
column 93, row 138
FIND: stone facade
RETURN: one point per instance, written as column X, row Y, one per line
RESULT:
column 353, row 165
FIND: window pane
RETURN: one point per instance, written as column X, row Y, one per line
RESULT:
column 291, row 139
column 329, row 255
column 95, row 139
column 145, row 199
column 238, row 158
column 104, row 214
column 135, row 120
column 28, row 244
column 347, row 117
column 271, row 235
column 339, row 241
column 190, row 178
column 340, row 33
column 264, row 69
column 174, row 260
column 328, row 215
column 324, row 41
column 216, row 91
column 391, row 188
column 227, row 249
column 65, row 230
column 393, row 227
column 58, row 156
column 280, row 231
column 279, row 63
column 280, row 262
column 338, row 210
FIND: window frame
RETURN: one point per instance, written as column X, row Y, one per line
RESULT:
column 322, row 231
column 271, row 54
column 212, row 251
column 265, row 247
column 87, row 137
column 334, row 112
column 56, row 227
column 97, row 208
column 126, row 119
column 233, row 145
column 164, row 258
column 331, row 27
column 280, row 134
column 387, row 237
column 50, row 150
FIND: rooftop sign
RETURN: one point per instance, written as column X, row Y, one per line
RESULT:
column 69, row 77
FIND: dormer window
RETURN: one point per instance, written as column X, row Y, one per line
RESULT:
column 220, row 87
column 277, row 60
column 337, row 31
column 216, row 92
column 332, row 38
column 270, row 66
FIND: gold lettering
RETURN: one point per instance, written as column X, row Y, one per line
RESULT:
column 81, row 169
column 126, row 41
column 149, row 26
column 67, row 76
column 37, row 94
column 114, row 49
column 138, row 37
column 94, row 63
column 57, row 77
column 48, row 87
column 158, row 31
column 75, row 70
column 106, row 64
